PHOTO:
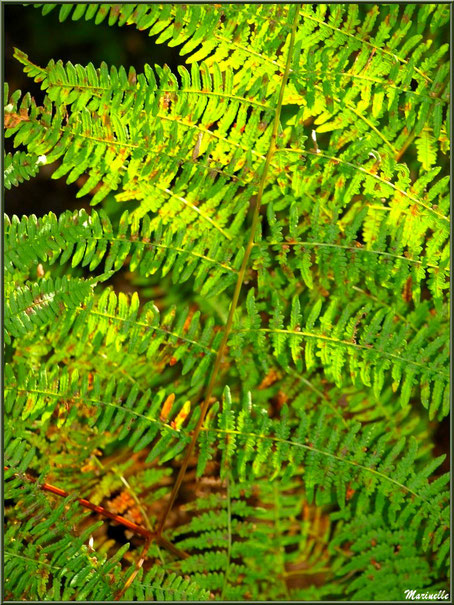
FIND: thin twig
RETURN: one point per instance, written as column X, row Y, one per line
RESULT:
column 138, row 529
column 139, row 564
column 239, row 283
column 131, row 491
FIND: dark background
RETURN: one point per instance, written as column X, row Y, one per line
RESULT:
column 44, row 38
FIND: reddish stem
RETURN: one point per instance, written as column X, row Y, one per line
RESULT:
column 142, row 531
column 47, row 487
column 139, row 564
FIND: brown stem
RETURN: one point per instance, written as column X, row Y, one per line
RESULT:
column 47, row 487
column 138, row 529
column 405, row 146
column 239, row 283
column 139, row 564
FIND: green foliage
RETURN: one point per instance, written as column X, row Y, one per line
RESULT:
column 324, row 329
column 41, row 302
column 19, row 167
column 380, row 553
column 371, row 348
column 90, row 239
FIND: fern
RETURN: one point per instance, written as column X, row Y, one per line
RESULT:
column 370, row 349
column 239, row 360
column 90, row 239
column 19, row 167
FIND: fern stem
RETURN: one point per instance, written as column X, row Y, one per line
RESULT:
column 370, row 174
column 239, row 283
column 346, row 343
column 138, row 565
column 37, row 562
column 353, row 249
column 405, row 146
column 142, row 531
column 229, row 540
column 135, row 498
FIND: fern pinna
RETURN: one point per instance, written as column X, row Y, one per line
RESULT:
column 264, row 383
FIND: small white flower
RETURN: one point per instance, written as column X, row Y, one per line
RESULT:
column 41, row 160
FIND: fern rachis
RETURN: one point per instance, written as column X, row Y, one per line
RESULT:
column 270, row 414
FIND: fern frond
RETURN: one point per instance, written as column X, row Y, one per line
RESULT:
column 361, row 60
column 287, row 210
column 330, row 252
column 403, row 201
column 375, row 86
column 19, row 167
column 108, row 405
column 382, row 544
column 90, row 239
column 40, row 303
column 373, row 348
column 116, row 321
column 156, row 119
column 56, row 555
column 235, row 542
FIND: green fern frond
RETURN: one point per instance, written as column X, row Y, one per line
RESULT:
column 379, row 554
column 235, row 542
column 331, row 252
column 286, row 208
column 56, row 555
column 115, row 320
column 373, row 348
column 19, row 167
column 382, row 543
column 376, row 77
column 109, row 405
column 89, row 239
column 155, row 119
column 40, row 303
